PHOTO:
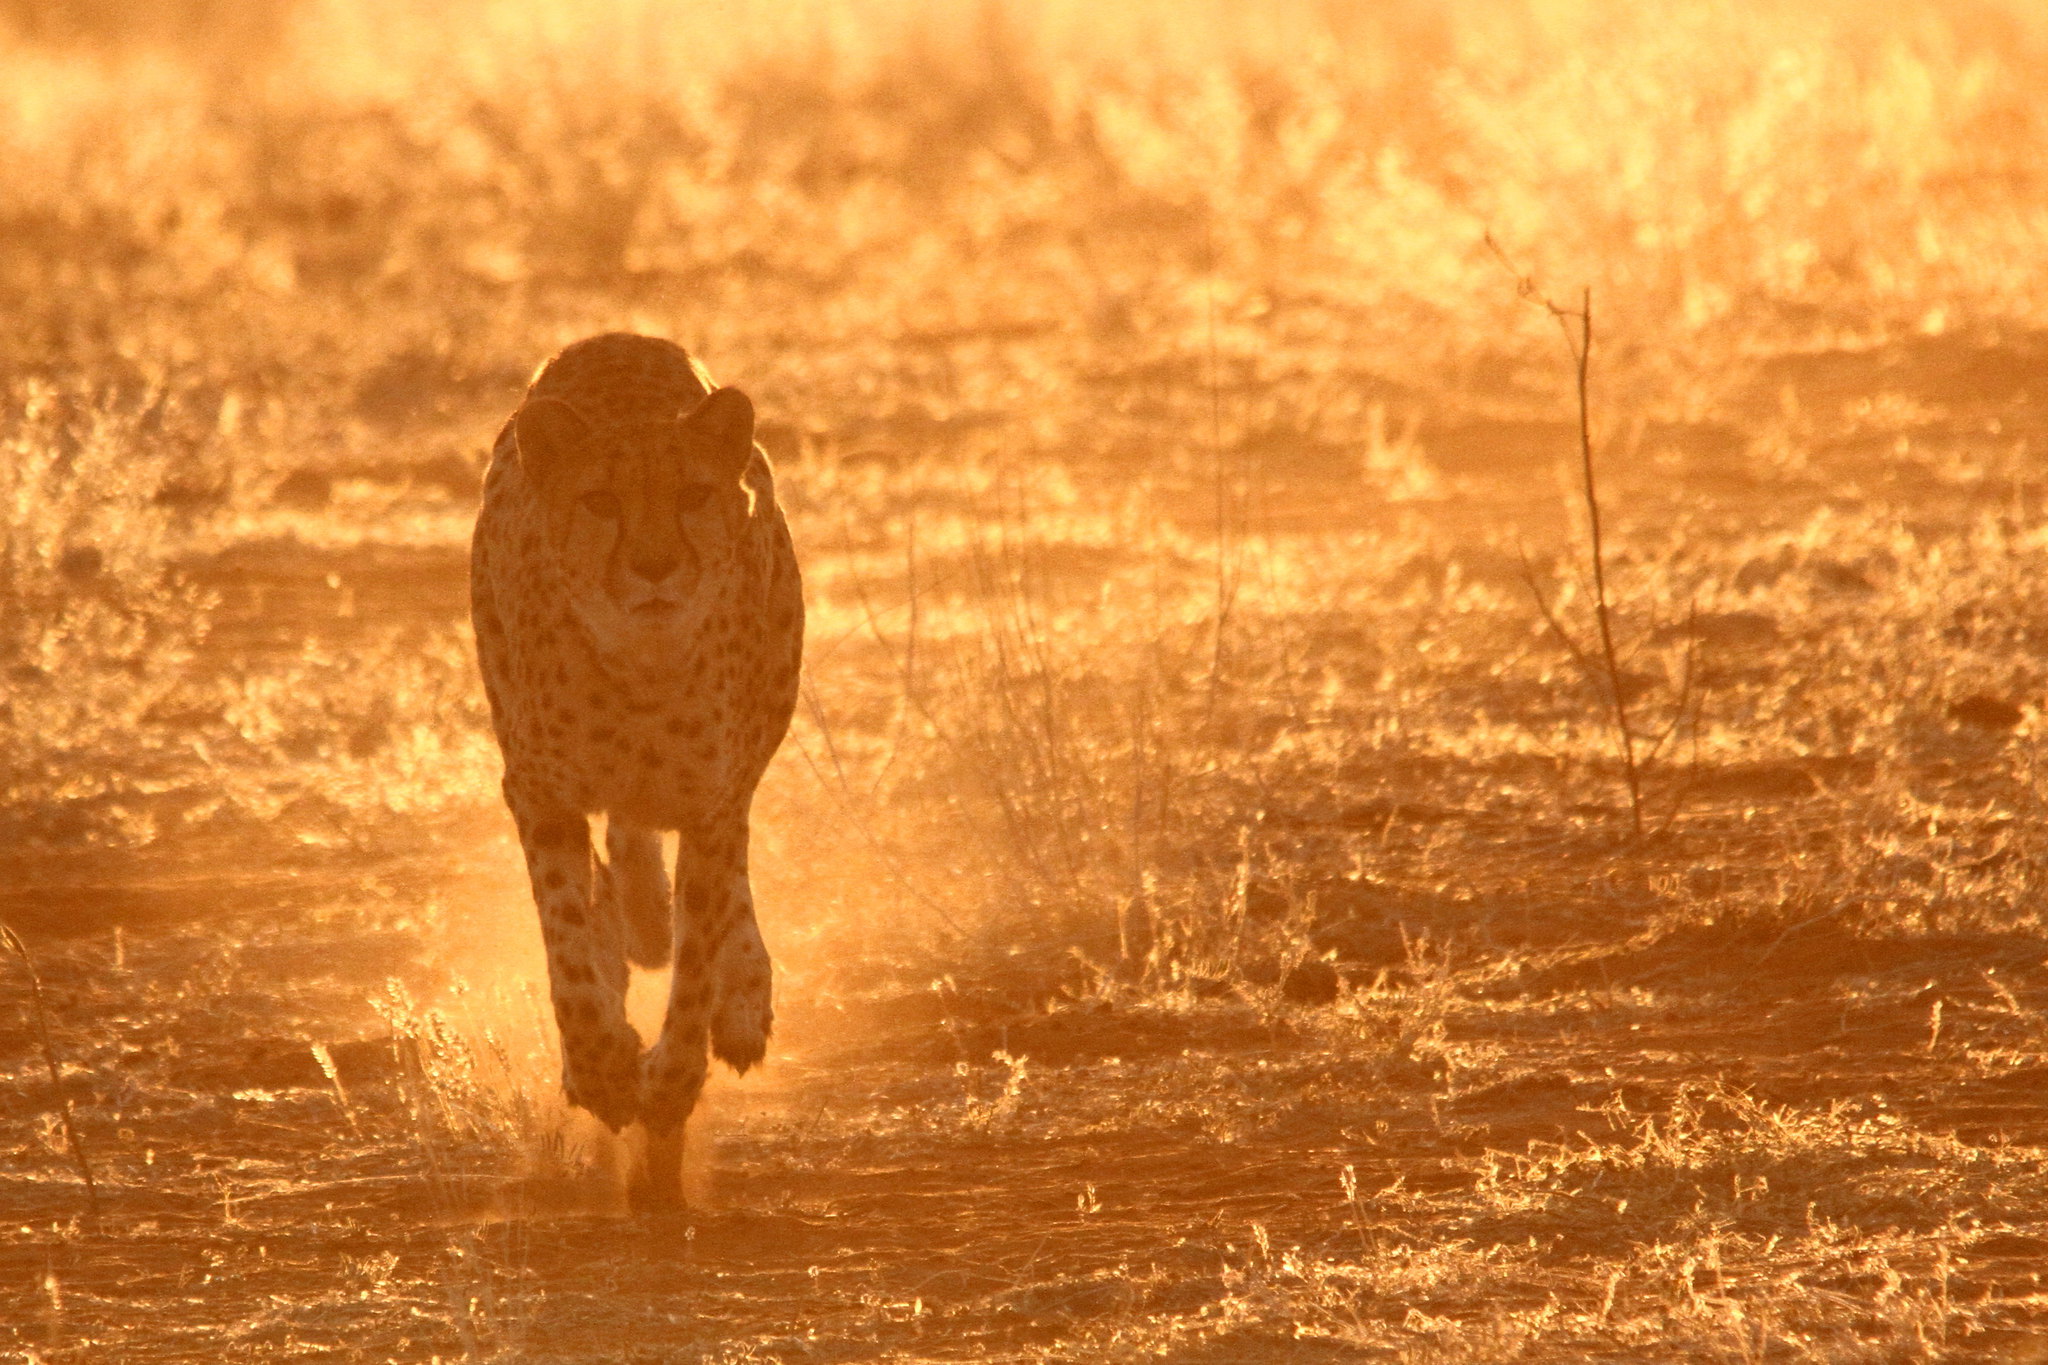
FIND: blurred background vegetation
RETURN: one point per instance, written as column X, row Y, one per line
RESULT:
column 274, row 269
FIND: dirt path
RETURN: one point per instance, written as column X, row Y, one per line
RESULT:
column 1137, row 1179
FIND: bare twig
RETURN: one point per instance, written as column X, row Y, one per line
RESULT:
column 1686, row 707
column 1580, row 344
column 1583, row 355
column 1588, row 667
column 77, row 1144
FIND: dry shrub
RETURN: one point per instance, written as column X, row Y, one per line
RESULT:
column 1028, row 714
column 95, row 627
column 476, row 1082
column 115, row 725
column 1667, row 157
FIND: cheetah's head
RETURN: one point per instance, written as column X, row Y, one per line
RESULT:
column 645, row 519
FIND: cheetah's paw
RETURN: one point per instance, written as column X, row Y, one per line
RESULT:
column 671, row 1078
column 743, row 1008
column 601, row 1073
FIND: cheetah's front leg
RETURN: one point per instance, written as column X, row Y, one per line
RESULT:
column 586, row 966
column 720, row 988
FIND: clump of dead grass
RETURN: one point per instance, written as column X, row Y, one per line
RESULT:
column 477, row 1081
column 96, row 627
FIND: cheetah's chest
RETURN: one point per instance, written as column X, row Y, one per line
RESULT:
column 657, row 762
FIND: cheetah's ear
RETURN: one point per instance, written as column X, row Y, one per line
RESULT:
column 550, row 435
column 720, row 432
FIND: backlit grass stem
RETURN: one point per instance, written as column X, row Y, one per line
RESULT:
column 71, row 1136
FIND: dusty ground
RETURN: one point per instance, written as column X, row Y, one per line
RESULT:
column 1209, row 919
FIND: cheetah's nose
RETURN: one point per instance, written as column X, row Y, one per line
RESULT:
column 654, row 565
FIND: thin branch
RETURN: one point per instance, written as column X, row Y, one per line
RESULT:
column 71, row 1136
column 1580, row 344
column 1584, row 355
column 1588, row 669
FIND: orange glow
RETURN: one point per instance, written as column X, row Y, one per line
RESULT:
column 1225, row 893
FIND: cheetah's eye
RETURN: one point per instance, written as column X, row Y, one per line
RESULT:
column 692, row 497
column 604, row 505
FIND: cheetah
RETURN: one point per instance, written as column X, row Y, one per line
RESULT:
column 639, row 626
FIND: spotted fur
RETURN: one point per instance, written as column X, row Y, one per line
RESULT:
column 639, row 623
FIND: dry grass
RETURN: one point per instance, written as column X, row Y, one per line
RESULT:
column 1207, row 918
